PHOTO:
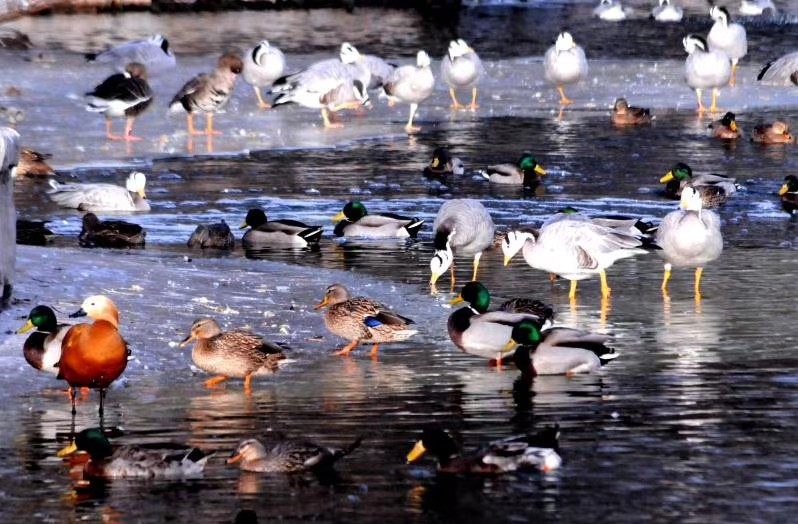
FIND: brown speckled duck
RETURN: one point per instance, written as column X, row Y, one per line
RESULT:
column 776, row 133
column 625, row 115
column 110, row 233
column 32, row 163
column 213, row 236
column 288, row 456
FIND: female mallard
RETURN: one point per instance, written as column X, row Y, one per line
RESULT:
column 42, row 349
column 33, row 232
column 102, row 197
column 705, row 68
column 573, row 249
column 667, row 12
column 411, row 84
column 564, row 63
column 32, row 163
column 110, row 233
column 354, row 221
column 122, row 95
column 461, row 68
column 776, row 133
column 462, row 226
column 285, row 233
column 288, row 456
column 714, row 189
column 558, row 351
column 689, row 237
column 519, row 453
column 625, row 115
column 93, row 355
column 526, row 172
column 727, row 37
column 213, row 236
column 789, row 194
column 443, row 164
column 362, row 320
column 111, row 462
column 263, row 64
column 726, row 128
column 236, row 354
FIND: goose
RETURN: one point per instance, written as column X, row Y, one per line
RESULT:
column 462, row 68
column 755, row 7
column 154, row 53
column 610, row 11
column 667, row 12
column 411, row 84
column 564, row 63
column 263, row 64
column 705, row 69
column 102, row 197
column 727, row 37
column 122, row 95
column 781, row 71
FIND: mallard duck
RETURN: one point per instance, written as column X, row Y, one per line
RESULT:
column 33, row 232
column 518, row 453
column 558, row 351
column 625, row 115
column 544, row 312
column 705, row 69
column 564, row 63
column 726, row 128
column 728, row 37
column 289, row 233
column 103, row 197
column 288, row 456
column 789, row 194
column 154, row 53
column 526, row 172
column 329, row 85
column 782, row 71
column 236, row 354
column 755, row 7
column 263, row 64
column 42, row 349
column 411, row 84
column 93, row 355
column 573, row 249
column 362, row 320
column 112, row 462
column 667, row 12
column 776, row 133
column 110, row 233
column 213, row 236
column 689, row 237
column 32, row 163
column 714, row 189
column 483, row 333
column 461, row 68
column 443, row 164
column 208, row 93
column 122, row 95
column 354, row 221
column 462, row 226
column 610, row 11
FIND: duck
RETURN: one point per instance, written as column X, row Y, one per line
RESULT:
column 102, row 197
column 564, row 63
column 236, row 354
column 122, row 95
column 705, row 68
column 212, row 236
column 517, row 453
column 355, row 221
column 93, row 355
column 776, row 133
column 33, row 232
column 287, row 233
column 412, row 85
column 154, row 53
column 113, row 462
column 208, row 93
column 263, row 65
column 610, row 11
column 482, row 333
column 526, row 172
column 728, row 37
column 32, row 163
column 689, row 237
column 288, row 456
column 329, row 85
column 625, row 115
column 110, row 233
column 542, row 311
column 755, row 7
column 789, row 194
column 726, row 128
column 462, row 226
column 443, row 164
column 462, row 68
column 362, row 320
column 558, row 351
column 714, row 189
column 667, row 12
column 573, row 249
column 42, row 348
column 781, row 71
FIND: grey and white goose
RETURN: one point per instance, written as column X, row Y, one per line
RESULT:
column 263, row 65
column 122, row 95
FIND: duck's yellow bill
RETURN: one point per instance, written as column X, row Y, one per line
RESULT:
column 322, row 303
column 235, row 458
column 733, row 126
column 784, row 189
column 63, row 452
column 539, row 170
column 436, row 162
column 416, row 453
column 509, row 346
column 667, row 178
column 29, row 324
column 456, row 300
column 338, row 217
column 243, row 225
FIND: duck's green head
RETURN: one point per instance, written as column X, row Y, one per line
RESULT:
column 790, row 185
column 42, row 318
column 680, row 171
column 528, row 163
column 255, row 218
column 729, row 121
column 352, row 211
column 525, row 333
column 476, row 295
column 92, row 441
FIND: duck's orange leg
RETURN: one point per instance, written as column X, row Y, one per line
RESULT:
column 665, row 278
column 209, row 125
column 697, row 287
column 564, row 100
column 455, row 103
column 473, row 106
column 374, row 350
column 129, row 136
column 605, row 289
column 349, row 347
column 108, row 133
column 261, row 102
column 211, row 382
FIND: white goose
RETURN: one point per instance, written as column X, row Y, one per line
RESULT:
column 564, row 63
column 727, row 37
column 610, row 10
column 154, row 53
column 705, row 69
column 102, row 197
column 263, row 64
column 461, row 68
column 667, row 12
column 411, row 84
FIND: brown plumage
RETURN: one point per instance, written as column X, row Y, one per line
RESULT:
column 110, row 233
column 776, row 133
column 33, row 163
column 214, row 236
column 288, row 456
column 625, row 115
